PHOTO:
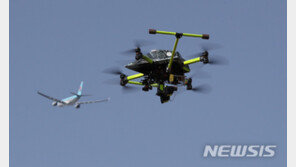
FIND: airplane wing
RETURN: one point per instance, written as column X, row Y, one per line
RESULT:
column 95, row 101
column 51, row 98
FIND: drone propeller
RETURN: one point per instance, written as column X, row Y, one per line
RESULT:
column 218, row 60
column 115, row 81
column 138, row 44
column 124, row 89
column 113, row 71
column 206, row 47
column 198, row 72
column 128, row 89
column 210, row 46
column 130, row 51
column 203, row 88
column 214, row 59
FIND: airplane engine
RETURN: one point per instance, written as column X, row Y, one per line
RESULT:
column 54, row 103
column 77, row 106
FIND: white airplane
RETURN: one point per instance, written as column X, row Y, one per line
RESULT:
column 73, row 100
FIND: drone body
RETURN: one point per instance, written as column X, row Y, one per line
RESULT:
column 162, row 69
column 160, row 60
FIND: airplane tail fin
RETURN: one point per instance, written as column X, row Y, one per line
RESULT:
column 80, row 88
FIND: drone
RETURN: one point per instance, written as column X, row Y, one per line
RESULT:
column 162, row 69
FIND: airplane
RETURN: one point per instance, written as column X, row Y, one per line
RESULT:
column 72, row 100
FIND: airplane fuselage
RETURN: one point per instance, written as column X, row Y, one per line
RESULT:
column 68, row 101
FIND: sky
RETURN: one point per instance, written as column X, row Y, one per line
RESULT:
column 56, row 44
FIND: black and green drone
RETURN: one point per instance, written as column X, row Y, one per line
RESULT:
column 162, row 69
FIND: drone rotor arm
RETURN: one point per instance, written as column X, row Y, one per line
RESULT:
column 178, row 36
column 140, row 83
column 191, row 61
column 135, row 76
column 147, row 59
column 203, row 36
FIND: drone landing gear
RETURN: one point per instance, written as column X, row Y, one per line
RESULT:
column 147, row 84
column 164, row 99
column 189, row 84
column 165, row 92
